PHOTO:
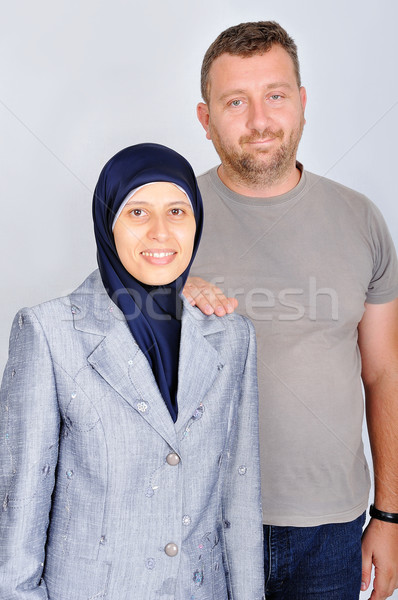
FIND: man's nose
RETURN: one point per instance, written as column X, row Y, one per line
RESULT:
column 258, row 115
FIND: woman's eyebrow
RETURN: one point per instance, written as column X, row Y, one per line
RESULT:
column 137, row 202
column 182, row 202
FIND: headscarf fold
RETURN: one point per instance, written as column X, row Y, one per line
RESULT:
column 153, row 314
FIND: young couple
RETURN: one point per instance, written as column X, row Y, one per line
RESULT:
column 129, row 442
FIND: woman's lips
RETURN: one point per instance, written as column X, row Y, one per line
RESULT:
column 159, row 257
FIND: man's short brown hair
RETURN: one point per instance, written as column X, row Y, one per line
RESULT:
column 246, row 40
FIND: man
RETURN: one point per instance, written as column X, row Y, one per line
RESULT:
column 313, row 265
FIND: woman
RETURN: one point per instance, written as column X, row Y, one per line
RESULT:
column 129, row 420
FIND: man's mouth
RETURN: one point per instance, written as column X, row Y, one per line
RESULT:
column 265, row 137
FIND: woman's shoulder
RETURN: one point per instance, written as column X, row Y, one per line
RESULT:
column 234, row 327
column 236, row 321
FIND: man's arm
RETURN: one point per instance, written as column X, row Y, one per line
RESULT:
column 378, row 343
column 208, row 297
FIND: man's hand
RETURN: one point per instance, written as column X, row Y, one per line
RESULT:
column 380, row 547
column 208, row 298
column 378, row 343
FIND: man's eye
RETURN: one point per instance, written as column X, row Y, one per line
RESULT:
column 275, row 96
column 236, row 102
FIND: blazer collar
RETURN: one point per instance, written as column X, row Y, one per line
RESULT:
column 118, row 359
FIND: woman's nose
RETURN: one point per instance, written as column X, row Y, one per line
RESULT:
column 158, row 229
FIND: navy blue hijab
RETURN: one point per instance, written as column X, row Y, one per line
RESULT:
column 158, row 338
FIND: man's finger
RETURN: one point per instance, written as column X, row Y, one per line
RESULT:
column 383, row 585
column 208, row 298
column 203, row 304
column 366, row 569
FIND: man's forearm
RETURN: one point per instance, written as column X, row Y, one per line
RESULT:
column 382, row 420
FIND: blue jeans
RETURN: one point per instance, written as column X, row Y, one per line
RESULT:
column 318, row 563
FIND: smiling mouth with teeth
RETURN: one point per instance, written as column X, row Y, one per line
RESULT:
column 157, row 254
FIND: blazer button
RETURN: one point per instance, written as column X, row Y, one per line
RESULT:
column 173, row 459
column 171, row 549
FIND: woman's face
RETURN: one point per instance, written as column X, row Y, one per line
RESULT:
column 154, row 234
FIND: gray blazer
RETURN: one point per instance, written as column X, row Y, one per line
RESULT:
column 102, row 495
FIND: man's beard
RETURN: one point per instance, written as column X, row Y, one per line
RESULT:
column 250, row 168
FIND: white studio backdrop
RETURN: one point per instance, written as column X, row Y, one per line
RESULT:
column 79, row 80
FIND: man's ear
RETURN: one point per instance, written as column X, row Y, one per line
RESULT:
column 303, row 98
column 203, row 114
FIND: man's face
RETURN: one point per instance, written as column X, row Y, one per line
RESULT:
column 255, row 116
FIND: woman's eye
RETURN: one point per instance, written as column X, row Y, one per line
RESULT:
column 176, row 212
column 137, row 212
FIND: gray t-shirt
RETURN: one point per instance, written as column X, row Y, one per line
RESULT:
column 302, row 265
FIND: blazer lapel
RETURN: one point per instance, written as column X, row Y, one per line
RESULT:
column 120, row 362
column 199, row 362
column 118, row 358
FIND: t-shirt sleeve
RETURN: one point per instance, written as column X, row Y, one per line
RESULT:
column 383, row 286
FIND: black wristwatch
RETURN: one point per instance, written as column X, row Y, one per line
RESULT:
column 383, row 516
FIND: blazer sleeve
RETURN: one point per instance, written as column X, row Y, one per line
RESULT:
column 242, row 514
column 29, row 434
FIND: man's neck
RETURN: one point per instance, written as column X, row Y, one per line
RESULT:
column 262, row 190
